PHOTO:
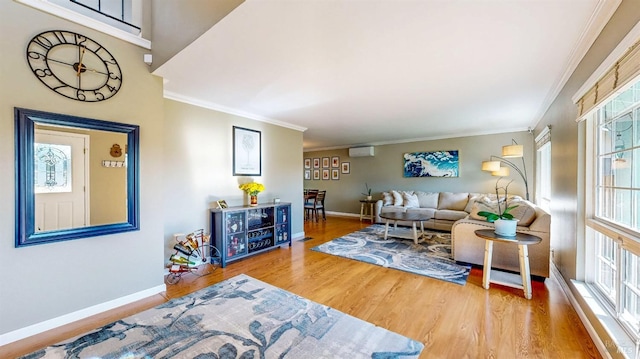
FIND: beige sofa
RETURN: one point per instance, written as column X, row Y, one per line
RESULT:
column 444, row 208
column 468, row 248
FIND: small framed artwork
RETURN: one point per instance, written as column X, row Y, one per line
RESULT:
column 345, row 168
column 325, row 174
column 316, row 174
column 335, row 174
column 307, row 163
column 222, row 203
column 247, row 152
column 325, row 162
column 307, row 174
column 335, row 162
column 316, row 163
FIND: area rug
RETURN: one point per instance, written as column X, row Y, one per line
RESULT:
column 241, row 317
column 431, row 258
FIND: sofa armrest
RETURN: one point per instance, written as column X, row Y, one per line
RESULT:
column 376, row 211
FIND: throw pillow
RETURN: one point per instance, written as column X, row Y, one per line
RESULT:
column 428, row 199
column 387, row 199
column 455, row 201
column 472, row 199
column 525, row 213
column 483, row 204
column 410, row 200
column 397, row 198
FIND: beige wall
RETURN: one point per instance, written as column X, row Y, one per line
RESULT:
column 384, row 171
column 65, row 277
column 108, row 184
column 197, row 159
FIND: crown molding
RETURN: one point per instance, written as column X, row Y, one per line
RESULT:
column 216, row 107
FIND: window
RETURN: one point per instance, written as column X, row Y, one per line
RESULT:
column 121, row 19
column 543, row 169
column 614, row 223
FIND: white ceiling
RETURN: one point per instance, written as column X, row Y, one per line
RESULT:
column 355, row 72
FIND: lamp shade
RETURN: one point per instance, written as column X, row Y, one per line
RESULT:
column 502, row 172
column 491, row 166
column 511, row 151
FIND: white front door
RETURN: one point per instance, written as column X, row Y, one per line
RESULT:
column 60, row 180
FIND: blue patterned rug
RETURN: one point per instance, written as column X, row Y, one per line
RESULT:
column 240, row 317
column 431, row 258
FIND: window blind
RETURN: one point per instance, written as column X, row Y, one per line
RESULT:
column 620, row 74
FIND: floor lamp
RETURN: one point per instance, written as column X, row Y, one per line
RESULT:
column 494, row 165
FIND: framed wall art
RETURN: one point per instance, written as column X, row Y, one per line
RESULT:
column 335, row 162
column 325, row 162
column 316, row 174
column 335, row 174
column 316, row 163
column 307, row 174
column 307, row 163
column 247, row 152
column 431, row 164
column 345, row 168
column 325, row 174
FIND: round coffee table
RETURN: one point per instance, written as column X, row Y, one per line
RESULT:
column 413, row 217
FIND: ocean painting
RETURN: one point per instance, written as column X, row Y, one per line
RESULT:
column 431, row 164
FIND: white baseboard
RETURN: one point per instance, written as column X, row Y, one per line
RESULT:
column 78, row 315
column 583, row 317
column 343, row 214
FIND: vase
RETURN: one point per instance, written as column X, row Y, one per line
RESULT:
column 254, row 201
column 368, row 198
column 505, row 227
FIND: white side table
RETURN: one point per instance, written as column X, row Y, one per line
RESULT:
column 522, row 240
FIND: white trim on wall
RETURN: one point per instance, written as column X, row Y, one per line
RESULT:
column 77, row 315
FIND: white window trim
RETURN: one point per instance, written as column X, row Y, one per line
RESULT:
column 56, row 10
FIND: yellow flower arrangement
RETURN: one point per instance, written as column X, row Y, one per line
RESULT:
column 252, row 188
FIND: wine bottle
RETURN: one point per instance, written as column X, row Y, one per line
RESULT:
column 180, row 260
column 182, row 249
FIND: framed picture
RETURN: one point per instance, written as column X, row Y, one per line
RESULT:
column 247, row 152
column 325, row 162
column 431, row 164
column 335, row 174
column 307, row 163
column 316, row 174
column 345, row 167
column 222, row 204
column 335, row 162
column 307, row 174
column 325, row 174
column 316, row 163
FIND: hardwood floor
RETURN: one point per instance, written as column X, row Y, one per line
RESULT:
column 452, row 321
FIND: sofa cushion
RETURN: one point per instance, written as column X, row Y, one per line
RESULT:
column 387, row 198
column 389, row 209
column 455, row 201
column 483, row 204
column 397, row 198
column 424, row 211
column 428, row 199
column 450, row 215
column 472, row 199
column 410, row 200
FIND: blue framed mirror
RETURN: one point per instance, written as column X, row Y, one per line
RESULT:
column 75, row 177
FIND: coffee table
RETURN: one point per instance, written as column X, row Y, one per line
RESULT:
column 522, row 240
column 402, row 216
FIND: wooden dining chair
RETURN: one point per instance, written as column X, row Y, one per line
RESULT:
column 311, row 208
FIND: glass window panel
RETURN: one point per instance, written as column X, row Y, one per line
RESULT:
column 605, row 270
column 623, row 206
column 631, row 290
column 52, row 165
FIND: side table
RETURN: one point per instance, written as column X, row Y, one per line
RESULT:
column 522, row 240
column 366, row 209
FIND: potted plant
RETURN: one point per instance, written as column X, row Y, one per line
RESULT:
column 505, row 224
column 367, row 193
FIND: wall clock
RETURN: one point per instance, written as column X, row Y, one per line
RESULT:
column 74, row 66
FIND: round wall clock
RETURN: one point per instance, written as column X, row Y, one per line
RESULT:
column 74, row 66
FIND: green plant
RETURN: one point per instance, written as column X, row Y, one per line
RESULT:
column 368, row 190
column 491, row 216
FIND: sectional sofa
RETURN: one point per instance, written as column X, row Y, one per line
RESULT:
column 458, row 213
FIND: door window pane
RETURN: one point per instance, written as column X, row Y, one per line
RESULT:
column 52, row 168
